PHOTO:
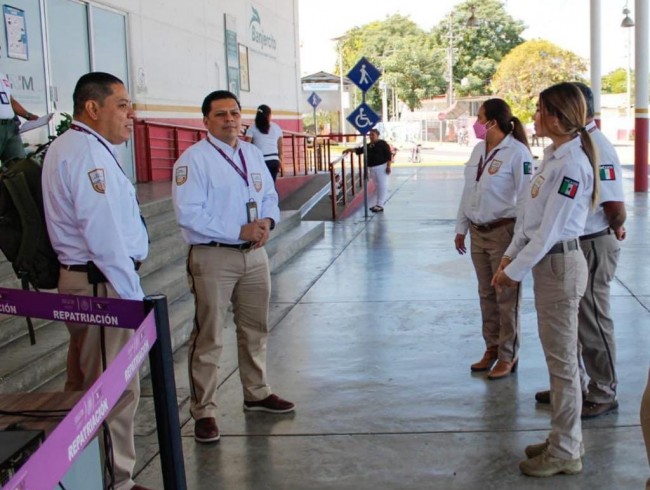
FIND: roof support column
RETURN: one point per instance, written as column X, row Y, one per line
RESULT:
column 641, row 96
column 595, row 48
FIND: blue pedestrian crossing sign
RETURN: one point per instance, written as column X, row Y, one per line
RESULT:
column 363, row 118
column 364, row 74
column 314, row 100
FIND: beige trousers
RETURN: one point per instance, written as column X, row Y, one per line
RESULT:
column 645, row 421
column 559, row 283
column 499, row 310
column 219, row 276
column 84, row 366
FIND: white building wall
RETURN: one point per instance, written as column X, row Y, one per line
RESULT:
column 177, row 54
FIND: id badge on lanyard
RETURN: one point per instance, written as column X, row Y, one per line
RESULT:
column 251, row 210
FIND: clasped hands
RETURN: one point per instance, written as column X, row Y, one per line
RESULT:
column 257, row 232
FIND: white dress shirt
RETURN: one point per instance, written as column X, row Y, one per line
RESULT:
column 501, row 187
column 210, row 196
column 91, row 209
column 611, row 180
column 267, row 143
column 556, row 209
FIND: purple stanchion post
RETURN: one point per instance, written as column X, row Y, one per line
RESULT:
column 164, row 397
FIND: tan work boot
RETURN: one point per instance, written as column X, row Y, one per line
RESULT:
column 489, row 358
column 537, row 449
column 544, row 465
column 503, row 369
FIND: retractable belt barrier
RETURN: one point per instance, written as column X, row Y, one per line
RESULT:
column 150, row 320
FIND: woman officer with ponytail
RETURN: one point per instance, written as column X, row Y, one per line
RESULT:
column 496, row 179
column 546, row 242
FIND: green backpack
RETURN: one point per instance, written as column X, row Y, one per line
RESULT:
column 23, row 233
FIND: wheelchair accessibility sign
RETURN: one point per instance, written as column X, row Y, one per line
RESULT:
column 363, row 118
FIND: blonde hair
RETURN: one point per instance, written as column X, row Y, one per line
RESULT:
column 566, row 102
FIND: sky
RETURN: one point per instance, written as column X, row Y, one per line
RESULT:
column 563, row 22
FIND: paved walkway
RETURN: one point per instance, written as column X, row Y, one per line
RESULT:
column 374, row 330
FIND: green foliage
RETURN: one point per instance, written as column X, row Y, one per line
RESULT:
column 477, row 51
column 615, row 82
column 323, row 118
column 64, row 123
column 410, row 62
column 530, row 68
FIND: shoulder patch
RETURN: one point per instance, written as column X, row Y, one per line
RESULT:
column 97, row 180
column 181, row 175
column 528, row 168
column 537, row 183
column 257, row 181
column 569, row 187
column 607, row 172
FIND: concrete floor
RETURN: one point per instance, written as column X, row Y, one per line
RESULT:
column 374, row 330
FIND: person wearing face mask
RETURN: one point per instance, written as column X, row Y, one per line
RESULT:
column 547, row 243
column 496, row 178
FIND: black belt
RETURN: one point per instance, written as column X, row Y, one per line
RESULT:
column 272, row 155
column 4, row 122
column 493, row 224
column 84, row 267
column 606, row 231
column 559, row 247
column 239, row 246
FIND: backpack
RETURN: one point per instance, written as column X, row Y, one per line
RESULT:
column 23, row 233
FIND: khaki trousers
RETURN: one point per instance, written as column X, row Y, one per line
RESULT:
column 559, row 283
column 84, row 366
column 499, row 310
column 219, row 276
column 645, row 421
column 595, row 323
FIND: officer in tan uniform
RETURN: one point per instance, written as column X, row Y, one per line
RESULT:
column 600, row 244
column 226, row 205
column 553, row 218
column 94, row 223
column 496, row 180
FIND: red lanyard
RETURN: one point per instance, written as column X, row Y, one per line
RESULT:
column 481, row 165
column 243, row 174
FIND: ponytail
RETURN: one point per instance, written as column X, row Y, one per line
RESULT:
column 594, row 158
column 518, row 131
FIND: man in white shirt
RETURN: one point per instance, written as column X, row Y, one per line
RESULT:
column 226, row 205
column 94, row 223
column 11, row 144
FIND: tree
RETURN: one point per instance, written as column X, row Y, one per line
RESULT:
column 477, row 51
column 403, row 52
column 530, row 68
column 615, row 82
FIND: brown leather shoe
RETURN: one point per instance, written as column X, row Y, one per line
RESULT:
column 503, row 369
column 206, row 430
column 489, row 358
column 544, row 397
column 270, row 404
column 140, row 487
column 591, row 410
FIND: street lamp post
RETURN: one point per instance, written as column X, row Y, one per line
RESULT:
column 339, row 40
column 450, row 94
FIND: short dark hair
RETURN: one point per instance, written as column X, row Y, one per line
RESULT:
column 589, row 97
column 374, row 130
column 217, row 95
column 95, row 85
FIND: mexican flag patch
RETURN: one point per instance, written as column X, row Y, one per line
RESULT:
column 528, row 168
column 569, row 187
column 607, row 172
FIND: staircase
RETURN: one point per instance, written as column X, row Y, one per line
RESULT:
column 41, row 367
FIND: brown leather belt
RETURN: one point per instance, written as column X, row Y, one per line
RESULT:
column 561, row 247
column 493, row 224
column 606, row 231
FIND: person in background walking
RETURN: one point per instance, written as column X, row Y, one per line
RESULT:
column 546, row 242
column 496, row 180
column 267, row 136
column 380, row 158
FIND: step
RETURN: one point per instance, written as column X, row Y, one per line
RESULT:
column 162, row 252
column 162, row 225
column 287, row 245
